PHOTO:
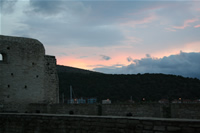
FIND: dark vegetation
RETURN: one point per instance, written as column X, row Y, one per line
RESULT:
column 120, row 88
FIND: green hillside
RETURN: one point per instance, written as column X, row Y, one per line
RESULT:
column 120, row 88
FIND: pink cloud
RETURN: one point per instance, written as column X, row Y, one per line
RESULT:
column 169, row 29
column 197, row 26
column 148, row 9
column 186, row 24
column 133, row 23
column 192, row 47
column 70, row 56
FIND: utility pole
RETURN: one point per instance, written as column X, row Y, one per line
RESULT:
column 70, row 94
column 63, row 98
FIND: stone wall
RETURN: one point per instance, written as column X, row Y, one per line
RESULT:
column 84, row 109
column 78, row 109
column 141, row 110
column 24, row 75
column 190, row 111
column 51, row 86
column 43, row 123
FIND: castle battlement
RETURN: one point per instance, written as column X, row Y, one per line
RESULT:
column 27, row 75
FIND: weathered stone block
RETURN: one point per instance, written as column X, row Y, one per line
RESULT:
column 122, row 121
column 159, row 128
column 187, row 129
column 139, row 126
column 146, row 131
column 148, row 127
column 194, row 125
column 147, row 122
column 119, row 125
column 171, row 128
column 133, row 122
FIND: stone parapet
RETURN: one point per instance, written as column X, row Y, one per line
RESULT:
column 54, row 123
column 189, row 111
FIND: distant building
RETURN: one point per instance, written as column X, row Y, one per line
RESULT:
column 82, row 101
column 91, row 100
column 131, row 101
column 196, row 101
column 72, row 101
column 106, row 101
column 187, row 101
column 163, row 101
column 176, row 101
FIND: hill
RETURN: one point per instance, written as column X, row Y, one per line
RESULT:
column 68, row 69
column 118, row 88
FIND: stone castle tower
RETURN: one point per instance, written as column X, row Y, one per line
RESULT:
column 27, row 75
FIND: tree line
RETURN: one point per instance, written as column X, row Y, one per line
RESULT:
column 119, row 88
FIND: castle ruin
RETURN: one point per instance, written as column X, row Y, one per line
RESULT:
column 27, row 75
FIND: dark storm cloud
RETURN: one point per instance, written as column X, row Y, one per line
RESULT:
column 129, row 59
column 71, row 23
column 46, row 6
column 59, row 33
column 81, row 23
column 185, row 64
column 104, row 57
column 7, row 6
column 106, row 12
column 53, row 7
column 148, row 55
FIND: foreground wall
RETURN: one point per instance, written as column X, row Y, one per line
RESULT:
column 190, row 111
column 41, row 123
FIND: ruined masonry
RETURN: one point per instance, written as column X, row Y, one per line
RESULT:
column 27, row 75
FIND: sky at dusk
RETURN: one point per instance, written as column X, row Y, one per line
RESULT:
column 118, row 37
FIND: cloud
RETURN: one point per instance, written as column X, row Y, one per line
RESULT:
column 148, row 56
column 55, row 7
column 96, row 66
column 186, row 23
column 130, row 39
column 81, row 57
column 7, row 6
column 64, row 23
column 129, row 59
column 108, row 69
column 104, row 57
column 170, row 29
column 197, row 26
column 185, row 64
column 46, row 7
column 87, row 28
column 144, row 20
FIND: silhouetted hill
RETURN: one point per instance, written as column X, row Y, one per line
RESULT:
column 68, row 69
column 152, row 87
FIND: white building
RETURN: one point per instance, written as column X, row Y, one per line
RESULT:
column 106, row 101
